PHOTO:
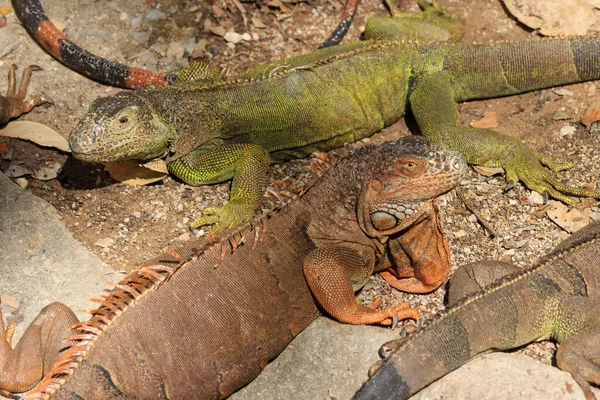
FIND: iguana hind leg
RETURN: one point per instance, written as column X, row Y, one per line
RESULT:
column 22, row 368
column 334, row 272
column 577, row 329
column 436, row 112
column 580, row 356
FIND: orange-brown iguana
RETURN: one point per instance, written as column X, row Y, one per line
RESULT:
column 558, row 298
column 181, row 328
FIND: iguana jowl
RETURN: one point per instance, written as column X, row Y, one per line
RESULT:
column 558, row 298
column 211, row 129
column 184, row 329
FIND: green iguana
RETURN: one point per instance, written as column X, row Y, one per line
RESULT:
column 210, row 129
column 558, row 298
column 181, row 327
column 14, row 104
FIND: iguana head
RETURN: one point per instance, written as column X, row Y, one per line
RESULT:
column 118, row 128
column 412, row 173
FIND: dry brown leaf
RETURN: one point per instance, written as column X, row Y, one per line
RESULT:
column 569, row 220
column 37, row 133
column 9, row 301
column 137, row 174
column 3, row 148
column 58, row 24
column 489, row 120
column 591, row 115
column 554, row 17
column 488, row 171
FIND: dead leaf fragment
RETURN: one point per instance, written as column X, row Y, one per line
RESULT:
column 569, row 220
column 58, row 24
column 38, row 133
column 592, row 114
column 5, row 10
column 488, row 171
column 9, row 301
column 554, row 17
column 489, row 120
column 137, row 174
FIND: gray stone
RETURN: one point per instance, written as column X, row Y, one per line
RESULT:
column 327, row 360
column 499, row 376
column 40, row 261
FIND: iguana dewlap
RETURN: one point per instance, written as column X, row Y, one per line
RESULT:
column 203, row 321
column 558, row 298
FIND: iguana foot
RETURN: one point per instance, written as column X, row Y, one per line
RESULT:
column 402, row 311
column 14, row 104
column 579, row 356
column 6, row 336
column 234, row 213
column 528, row 167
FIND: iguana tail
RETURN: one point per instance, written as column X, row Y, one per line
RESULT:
column 42, row 30
column 491, row 320
column 507, row 68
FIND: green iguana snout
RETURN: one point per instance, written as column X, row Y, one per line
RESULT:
column 394, row 199
column 119, row 128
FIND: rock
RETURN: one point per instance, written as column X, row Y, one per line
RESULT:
column 567, row 130
column 155, row 15
column 535, row 198
column 327, row 360
column 499, row 376
column 40, row 261
column 136, row 22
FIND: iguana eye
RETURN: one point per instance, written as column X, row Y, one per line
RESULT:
column 410, row 166
column 125, row 120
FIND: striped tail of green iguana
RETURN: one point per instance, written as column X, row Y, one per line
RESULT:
column 555, row 299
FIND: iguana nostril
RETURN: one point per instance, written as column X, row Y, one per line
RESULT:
column 383, row 221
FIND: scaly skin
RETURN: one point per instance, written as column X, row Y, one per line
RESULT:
column 557, row 299
column 181, row 328
column 14, row 104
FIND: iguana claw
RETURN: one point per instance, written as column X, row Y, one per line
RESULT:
column 234, row 213
column 528, row 167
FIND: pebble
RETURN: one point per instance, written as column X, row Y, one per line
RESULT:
column 148, row 57
column 535, row 198
column 567, row 130
column 141, row 37
column 155, row 15
column 137, row 214
column 124, row 16
column 22, row 182
column 105, row 243
column 136, row 22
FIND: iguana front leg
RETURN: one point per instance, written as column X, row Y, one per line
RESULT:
column 37, row 351
column 14, row 104
column 433, row 103
column 247, row 164
column 333, row 273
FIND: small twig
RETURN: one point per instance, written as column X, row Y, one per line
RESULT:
column 463, row 197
